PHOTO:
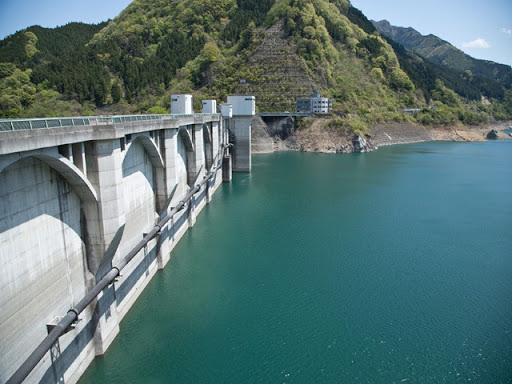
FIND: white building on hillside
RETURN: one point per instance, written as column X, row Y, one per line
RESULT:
column 315, row 104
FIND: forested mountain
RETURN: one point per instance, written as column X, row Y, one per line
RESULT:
column 36, row 45
column 442, row 52
column 276, row 50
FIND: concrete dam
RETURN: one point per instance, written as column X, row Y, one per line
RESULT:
column 90, row 209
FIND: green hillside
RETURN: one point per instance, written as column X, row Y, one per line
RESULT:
column 277, row 50
column 36, row 45
column 441, row 52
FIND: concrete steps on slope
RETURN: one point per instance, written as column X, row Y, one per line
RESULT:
column 398, row 134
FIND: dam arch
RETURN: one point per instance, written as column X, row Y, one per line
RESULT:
column 208, row 145
column 43, row 252
column 139, row 191
column 64, row 167
column 185, row 149
column 157, row 162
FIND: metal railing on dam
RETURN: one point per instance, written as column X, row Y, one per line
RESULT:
column 43, row 123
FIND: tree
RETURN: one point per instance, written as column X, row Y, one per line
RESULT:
column 30, row 47
column 398, row 79
column 6, row 69
column 115, row 92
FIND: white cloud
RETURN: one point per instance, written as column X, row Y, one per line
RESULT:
column 506, row 31
column 478, row 43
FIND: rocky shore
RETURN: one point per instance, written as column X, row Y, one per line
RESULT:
column 318, row 137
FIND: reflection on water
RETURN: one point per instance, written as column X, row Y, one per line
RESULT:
column 389, row 266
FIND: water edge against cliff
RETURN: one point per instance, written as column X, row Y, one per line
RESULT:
column 316, row 134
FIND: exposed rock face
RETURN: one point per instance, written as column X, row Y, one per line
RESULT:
column 283, row 127
column 345, row 148
column 271, row 134
column 281, row 134
column 360, row 144
column 493, row 135
column 261, row 141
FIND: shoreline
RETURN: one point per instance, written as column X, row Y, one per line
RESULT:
column 318, row 138
column 477, row 134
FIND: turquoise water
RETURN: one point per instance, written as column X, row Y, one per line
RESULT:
column 391, row 266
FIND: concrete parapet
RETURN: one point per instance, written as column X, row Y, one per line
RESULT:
column 36, row 139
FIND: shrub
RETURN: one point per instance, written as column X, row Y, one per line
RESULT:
column 377, row 74
column 474, row 118
column 157, row 110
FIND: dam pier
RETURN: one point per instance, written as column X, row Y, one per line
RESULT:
column 90, row 210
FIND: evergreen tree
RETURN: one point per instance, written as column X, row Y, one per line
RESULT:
column 115, row 93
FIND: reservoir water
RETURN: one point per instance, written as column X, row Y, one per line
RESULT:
column 390, row 266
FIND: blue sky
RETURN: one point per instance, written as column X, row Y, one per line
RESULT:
column 19, row 14
column 482, row 29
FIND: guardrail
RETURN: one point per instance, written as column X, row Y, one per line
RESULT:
column 285, row 114
column 27, row 124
